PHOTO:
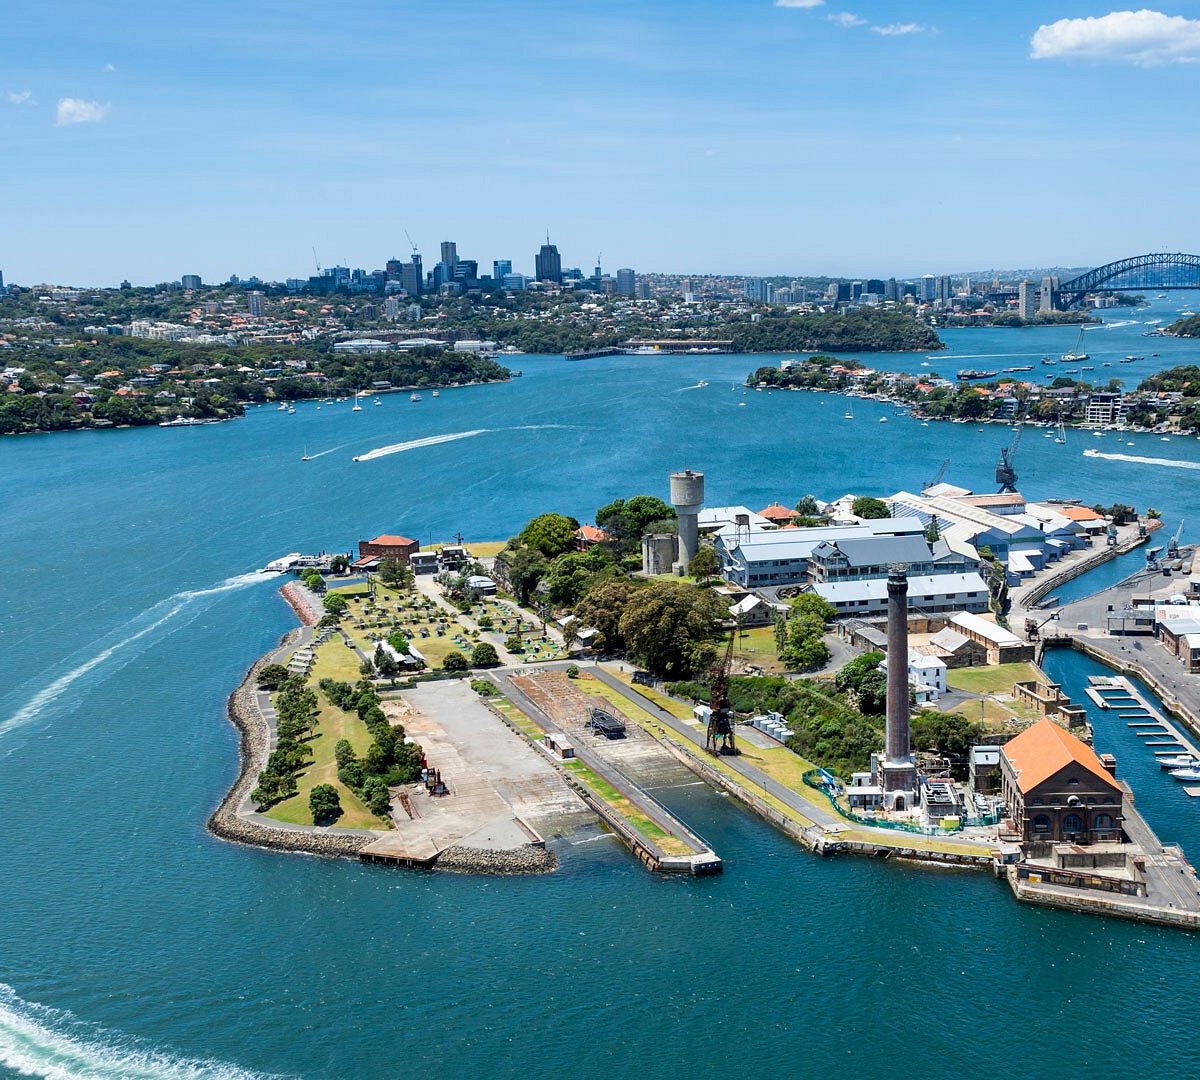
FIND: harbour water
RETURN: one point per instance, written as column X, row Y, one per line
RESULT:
column 134, row 944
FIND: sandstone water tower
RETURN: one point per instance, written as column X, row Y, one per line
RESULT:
column 687, row 496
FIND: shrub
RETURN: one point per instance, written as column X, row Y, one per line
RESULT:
column 572, row 671
column 455, row 661
column 324, row 803
column 484, row 687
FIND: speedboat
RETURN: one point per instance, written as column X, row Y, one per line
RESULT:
column 1180, row 761
column 414, row 396
column 883, row 419
column 1186, row 774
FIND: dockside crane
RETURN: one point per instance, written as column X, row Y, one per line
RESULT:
column 1173, row 544
column 720, row 739
column 1006, row 473
column 938, row 478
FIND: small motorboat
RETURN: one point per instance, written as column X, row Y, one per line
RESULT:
column 1180, row 761
column 1186, row 774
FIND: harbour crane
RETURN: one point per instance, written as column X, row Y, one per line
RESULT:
column 720, row 718
column 1006, row 473
column 938, row 478
column 1173, row 544
column 1033, row 626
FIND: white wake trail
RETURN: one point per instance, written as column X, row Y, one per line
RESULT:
column 162, row 613
column 38, row 1041
column 417, row 444
column 1167, row 463
column 322, row 453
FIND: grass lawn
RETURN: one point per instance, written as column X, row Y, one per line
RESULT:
column 756, row 647
column 332, row 724
column 486, row 549
column 334, row 661
column 517, row 717
column 678, row 709
column 992, row 680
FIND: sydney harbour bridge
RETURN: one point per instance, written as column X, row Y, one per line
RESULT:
column 1158, row 271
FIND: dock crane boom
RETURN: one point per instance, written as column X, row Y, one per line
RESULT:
column 1173, row 544
column 938, row 478
column 1006, row 473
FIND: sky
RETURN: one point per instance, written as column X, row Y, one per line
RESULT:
column 148, row 140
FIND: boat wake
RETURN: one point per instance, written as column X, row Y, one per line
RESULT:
column 417, row 444
column 322, row 453
column 39, row 1041
column 978, row 356
column 1166, row 463
column 159, row 615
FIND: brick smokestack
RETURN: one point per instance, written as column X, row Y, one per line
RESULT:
column 899, row 741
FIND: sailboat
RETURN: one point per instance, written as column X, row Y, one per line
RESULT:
column 1060, row 436
column 849, row 413
column 357, row 406
column 1077, row 353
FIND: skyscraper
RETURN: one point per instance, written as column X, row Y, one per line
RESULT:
column 450, row 254
column 412, row 277
column 255, row 304
column 1027, row 299
column 548, row 263
column 500, row 267
column 626, row 283
column 190, row 281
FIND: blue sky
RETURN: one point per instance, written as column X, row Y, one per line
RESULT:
column 148, row 140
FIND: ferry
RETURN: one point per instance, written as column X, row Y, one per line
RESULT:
column 1131, row 359
column 972, row 373
column 1026, row 367
column 435, row 393
column 282, row 565
column 414, row 396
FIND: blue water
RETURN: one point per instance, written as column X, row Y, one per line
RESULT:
column 132, row 943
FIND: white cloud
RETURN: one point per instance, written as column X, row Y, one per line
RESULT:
column 1146, row 38
column 844, row 18
column 78, row 111
column 897, row 29
column 799, row 3
column 110, row 67
column 20, row 97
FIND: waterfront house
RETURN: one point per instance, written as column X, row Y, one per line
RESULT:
column 387, row 546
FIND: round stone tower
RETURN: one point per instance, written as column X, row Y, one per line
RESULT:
column 687, row 496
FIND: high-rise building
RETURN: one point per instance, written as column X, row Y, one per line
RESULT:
column 500, row 267
column 1027, row 299
column 392, row 269
column 254, row 301
column 643, row 290
column 753, row 289
column 412, row 277
column 190, row 281
column 466, row 273
column 391, row 308
column 928, row 289
column 891, row 291
column 626, row 283
column 945, row 291
column 548, row 263
column 450, row 253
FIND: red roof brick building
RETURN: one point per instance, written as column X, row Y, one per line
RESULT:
column 387, row 546
column 1056, row 788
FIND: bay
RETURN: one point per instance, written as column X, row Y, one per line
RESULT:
column 132, row 943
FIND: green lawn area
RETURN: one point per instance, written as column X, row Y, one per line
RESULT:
column 486, row 549
column 332, row 724
column 756, row 647
column 992, row 680
column 679, row 709
column 517, row 717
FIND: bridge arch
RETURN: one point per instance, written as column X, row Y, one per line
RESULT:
column 1158, row 270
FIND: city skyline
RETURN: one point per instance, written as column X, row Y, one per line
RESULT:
column 779, row 138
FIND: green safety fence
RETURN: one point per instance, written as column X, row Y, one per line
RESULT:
column 824, row 782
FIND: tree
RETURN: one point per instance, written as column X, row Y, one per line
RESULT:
column 376, row 795
column 705, row 564
column 455, row 661
column 484, row 655
column 667, row 625
column 339, row 564
column 272, row 676
column 867, row 507
column 343, row 752
column 550, row 534
column 515, row 644
column 807, row 507
column 571, row 575
column 395, row 573
column 325, row 803
column 811, row 603
column 524, row 567
column 601, row 610
column 335, row 604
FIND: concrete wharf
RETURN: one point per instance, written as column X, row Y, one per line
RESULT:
column 700, row 858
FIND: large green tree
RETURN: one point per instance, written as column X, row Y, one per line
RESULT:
column 669, row 626
column 867, row 507
column 550, row 534
column 601, row 609
column 324, row 803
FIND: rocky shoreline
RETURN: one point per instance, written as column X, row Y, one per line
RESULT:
column 529, row 859
column 253, row 748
